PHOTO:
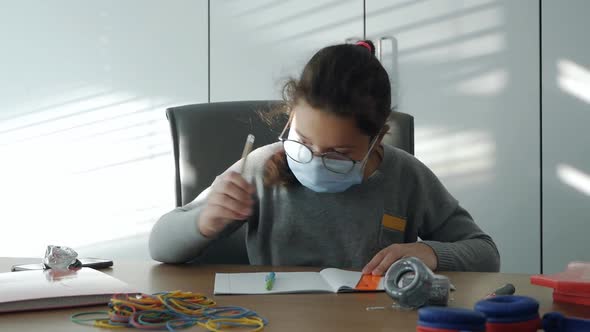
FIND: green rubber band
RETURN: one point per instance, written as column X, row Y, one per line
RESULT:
column 80, row 318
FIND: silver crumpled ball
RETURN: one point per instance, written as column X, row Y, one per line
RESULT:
column 59, row 258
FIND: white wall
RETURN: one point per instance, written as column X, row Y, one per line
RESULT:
column 84, row 142
column 566, row 118
column 256, row 45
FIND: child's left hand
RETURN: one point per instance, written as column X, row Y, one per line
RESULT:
column 383, row 260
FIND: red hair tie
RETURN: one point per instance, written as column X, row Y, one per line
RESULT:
column 365, row 44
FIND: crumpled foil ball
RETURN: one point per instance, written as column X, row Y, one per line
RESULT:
column 59, row 257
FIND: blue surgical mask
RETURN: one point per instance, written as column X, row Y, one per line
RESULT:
column 315, row 176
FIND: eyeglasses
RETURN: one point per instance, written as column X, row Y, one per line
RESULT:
column 333, row 161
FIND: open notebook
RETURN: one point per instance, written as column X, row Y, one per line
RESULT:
column 326, row 281
column 49, row 289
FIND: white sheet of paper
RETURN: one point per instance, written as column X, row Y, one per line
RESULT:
column 38, row 289
column 39, row 284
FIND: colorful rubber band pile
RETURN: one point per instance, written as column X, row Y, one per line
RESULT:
column 170, row 311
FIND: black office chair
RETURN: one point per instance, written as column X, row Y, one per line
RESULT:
column 208, row 138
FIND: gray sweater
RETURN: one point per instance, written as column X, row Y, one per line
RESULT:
column 401, row 201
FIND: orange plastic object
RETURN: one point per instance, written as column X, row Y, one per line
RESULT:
column 570, row 286
column 368, row 282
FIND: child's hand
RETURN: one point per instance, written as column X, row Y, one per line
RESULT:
column 230, row 199
column 386, row 257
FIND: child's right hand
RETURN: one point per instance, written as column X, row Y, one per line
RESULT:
column 230, row 199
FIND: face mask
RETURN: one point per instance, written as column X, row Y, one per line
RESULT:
column 315, row 176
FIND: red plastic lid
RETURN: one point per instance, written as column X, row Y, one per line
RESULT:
column 574, row 281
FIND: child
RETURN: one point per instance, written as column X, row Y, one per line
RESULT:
column 329, row 193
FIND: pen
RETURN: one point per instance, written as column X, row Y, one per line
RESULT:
column 270, row 280
column 247, row 149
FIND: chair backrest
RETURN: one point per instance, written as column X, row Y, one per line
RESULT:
column 208, row 138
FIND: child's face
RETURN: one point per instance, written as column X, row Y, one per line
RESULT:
column 325, row 132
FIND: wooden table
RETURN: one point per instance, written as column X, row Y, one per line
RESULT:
column 303, row 312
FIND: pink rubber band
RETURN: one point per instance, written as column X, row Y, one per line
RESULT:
column 365, row 44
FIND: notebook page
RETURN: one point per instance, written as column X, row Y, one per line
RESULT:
column 285, row 282
column 344, row 281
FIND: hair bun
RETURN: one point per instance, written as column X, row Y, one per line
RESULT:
column 367, row 44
